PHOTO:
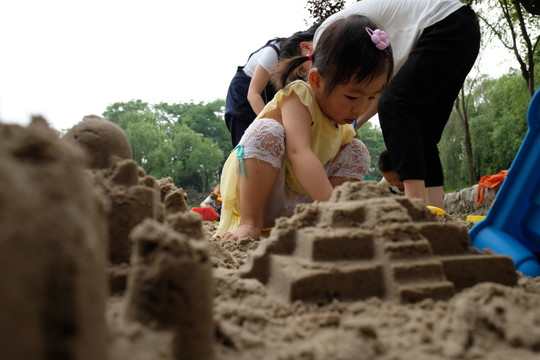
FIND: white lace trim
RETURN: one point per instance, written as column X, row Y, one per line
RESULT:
column 265, row 140
column 352, row 161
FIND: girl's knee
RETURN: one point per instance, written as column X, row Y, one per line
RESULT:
column 352, row 161
column 265, row 140
column 265, row 127
column 355, row 149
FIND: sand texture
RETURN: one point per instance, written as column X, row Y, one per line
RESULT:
column 98, row 260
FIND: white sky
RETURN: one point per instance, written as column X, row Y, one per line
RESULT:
column 65, row 59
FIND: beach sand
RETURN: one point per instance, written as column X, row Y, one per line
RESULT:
column 100, row 261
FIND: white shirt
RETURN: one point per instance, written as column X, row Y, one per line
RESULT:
column 267, row 57
column 403, row 20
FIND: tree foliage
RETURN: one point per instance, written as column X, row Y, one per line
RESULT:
column 500, row 124
column 497, row 127
column 453, row 155
column 517, row 30
column 372, row 137
column 319, row 10
column 187, row 142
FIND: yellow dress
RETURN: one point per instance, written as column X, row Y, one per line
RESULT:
column 326, row 140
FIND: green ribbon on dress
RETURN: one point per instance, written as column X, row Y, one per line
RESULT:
column 240, row 157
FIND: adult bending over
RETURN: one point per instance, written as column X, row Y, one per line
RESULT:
column 435, row 44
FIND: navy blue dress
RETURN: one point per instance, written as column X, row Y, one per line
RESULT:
column 238, row 112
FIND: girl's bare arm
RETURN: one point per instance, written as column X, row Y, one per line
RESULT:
column 306, row 166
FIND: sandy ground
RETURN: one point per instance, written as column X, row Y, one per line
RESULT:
column 100, row 261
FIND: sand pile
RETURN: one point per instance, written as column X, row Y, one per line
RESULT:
column 100, row 261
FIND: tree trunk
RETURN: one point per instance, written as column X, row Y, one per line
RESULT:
column 463, row 115
column 468, row 151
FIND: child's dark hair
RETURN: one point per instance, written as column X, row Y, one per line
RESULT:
column 276, row 39
column 384, row 162
column 291, row 46
column 344, row 52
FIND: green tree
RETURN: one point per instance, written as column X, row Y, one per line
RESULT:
column 497, row 114
column 197, row 160
column 113, row 112
column 145, row 138
column 179, row 140
column 319, row 10
column 206, row 161
column 205, row 119
column 517, row 30
column 461, row 130
column 372, row 137
column 453, row 155
column 148, row 141
column 499, row 124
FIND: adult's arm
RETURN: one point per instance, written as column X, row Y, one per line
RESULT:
column 364, row 118
column 259, row 80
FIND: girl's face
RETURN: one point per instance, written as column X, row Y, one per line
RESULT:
column 347, row 102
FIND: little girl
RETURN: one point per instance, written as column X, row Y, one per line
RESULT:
column 302, row 144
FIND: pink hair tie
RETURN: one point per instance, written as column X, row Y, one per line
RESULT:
column 379, row 38
column 309, row 57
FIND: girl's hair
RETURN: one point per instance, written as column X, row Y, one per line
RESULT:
column 276, row 39
column 291, row 46
column 344, row 52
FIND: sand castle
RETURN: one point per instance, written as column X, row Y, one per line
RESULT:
column 89, row 202
column 365, row 242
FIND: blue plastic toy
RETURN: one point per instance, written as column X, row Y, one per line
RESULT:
column 512, row 225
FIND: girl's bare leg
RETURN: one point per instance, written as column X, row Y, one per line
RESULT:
column 255, row 188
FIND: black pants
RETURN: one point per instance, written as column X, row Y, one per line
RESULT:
column 416, row 106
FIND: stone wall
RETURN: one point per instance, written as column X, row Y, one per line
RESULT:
column 463, row 201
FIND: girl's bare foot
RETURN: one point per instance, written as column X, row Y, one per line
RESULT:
column 242, row 231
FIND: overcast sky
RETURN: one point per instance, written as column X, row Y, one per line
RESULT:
column 65, row 59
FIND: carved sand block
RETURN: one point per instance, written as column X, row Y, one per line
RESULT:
column 131, row 194
column 53, row 242
column 388, row 247
column 171, row 284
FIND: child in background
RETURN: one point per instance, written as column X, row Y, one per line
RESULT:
column 250, row 89
column 302, row 145
column 390, row 176
column 210, row 208
column 213, row 200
